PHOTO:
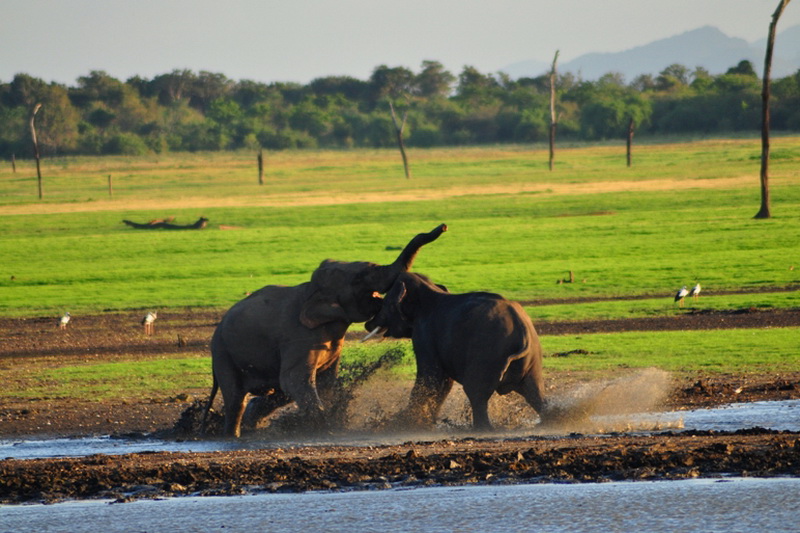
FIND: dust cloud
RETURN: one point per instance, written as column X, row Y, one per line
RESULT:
column 369, row 403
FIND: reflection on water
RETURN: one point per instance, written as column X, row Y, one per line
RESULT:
column 694, row 505
column 783, row 415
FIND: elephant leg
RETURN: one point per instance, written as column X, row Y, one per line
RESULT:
column 532, row 389
column 259, row 407
column 298, row 379
column 234, row 409
column 479, row 401
column 327, row 384
column 427, row 397
column 233, row 393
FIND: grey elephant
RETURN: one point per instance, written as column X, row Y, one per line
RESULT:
column 284, row 343
column 481, row 340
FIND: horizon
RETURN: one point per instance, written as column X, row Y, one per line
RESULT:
column 266, row 41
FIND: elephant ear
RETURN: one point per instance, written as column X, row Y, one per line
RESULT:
column 320, row 309
column 397, row 295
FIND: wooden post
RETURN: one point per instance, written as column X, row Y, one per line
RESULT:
column 110, row 188
column 14, row 163
column 630, row 140
column 399, row 134
column 36, row 147
column 553, row 110
column 260, row 166
column 764, row 211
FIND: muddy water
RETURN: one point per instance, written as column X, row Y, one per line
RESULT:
column 783, row 415
column 728, row 506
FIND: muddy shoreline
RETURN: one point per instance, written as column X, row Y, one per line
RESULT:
column 417, row 463
column 576, row 458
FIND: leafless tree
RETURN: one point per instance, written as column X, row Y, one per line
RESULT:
column 629, row 143
column 553, row 110
column 36, row 147
column 399, row 133
column 765, row 85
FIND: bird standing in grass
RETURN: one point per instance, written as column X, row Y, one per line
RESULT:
column 695, row 292
column 149, row 322
column 680, row 295
column 62, row 324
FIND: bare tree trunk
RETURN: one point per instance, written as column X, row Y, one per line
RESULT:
column 110, row 187
column 260, row 166
column 630, row 140
column 14, row 163
column 399, row 133
column 765, row 83
column 553, row 111
column 36, row 147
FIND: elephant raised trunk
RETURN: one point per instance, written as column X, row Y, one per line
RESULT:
column 388, row 274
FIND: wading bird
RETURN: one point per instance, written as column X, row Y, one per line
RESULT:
column 62, row 324
column 695, row 292
column 680, row 295
column 149, row 322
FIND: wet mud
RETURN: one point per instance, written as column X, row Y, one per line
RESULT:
column 575, row 458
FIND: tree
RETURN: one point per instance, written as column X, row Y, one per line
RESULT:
column 744, row 68
column 764, row 211
column 434, row 81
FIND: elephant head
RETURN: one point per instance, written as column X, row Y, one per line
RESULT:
column 396, row 315
column 349, row 292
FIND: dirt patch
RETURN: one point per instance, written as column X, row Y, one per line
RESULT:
column 306, row 198
column 422, row 461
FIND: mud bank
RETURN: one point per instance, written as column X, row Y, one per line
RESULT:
column 755, row 452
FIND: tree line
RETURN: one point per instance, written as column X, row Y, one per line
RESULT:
column 188, row 111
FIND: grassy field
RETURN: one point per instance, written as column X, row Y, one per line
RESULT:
column 681, row 214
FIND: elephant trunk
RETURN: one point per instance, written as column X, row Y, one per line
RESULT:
column 388, row 274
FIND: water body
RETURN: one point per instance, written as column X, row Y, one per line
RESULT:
column 783, row 415
column 729, row 506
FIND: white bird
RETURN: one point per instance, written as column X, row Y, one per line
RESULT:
column 149, row 322
column 680, row 295
column 695, row 292
column 62, row 324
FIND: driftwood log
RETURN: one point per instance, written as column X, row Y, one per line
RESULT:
column 201, row 223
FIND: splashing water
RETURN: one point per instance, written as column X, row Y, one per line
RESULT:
column 611, row 405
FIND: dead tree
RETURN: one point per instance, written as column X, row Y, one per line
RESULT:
column 260, row 166
column 629, row 142
column 201, row 223
column 553, row 111
column 398, row 128
column 36, row 147
column 765, row 83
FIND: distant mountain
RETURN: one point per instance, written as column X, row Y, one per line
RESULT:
column 704, row 47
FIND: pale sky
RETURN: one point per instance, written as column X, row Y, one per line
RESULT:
column 299, row 40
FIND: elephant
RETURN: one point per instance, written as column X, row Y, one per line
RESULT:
column 481, row 340
column 284, row 343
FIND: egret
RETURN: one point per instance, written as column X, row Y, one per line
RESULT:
column 62, row 324
column 149, row 322
column 680, row 295
column 695, row 292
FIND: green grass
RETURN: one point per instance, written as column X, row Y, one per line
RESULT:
column 734, row 351
column 744, row 351
column 515, row 228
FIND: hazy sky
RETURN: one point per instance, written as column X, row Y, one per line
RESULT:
column 299, row 40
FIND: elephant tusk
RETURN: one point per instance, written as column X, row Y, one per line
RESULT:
column 373, row 333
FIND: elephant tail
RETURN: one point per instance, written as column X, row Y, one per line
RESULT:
column 214, row 389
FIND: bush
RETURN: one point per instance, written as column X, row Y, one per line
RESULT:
column 126, row 144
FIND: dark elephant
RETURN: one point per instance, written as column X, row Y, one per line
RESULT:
column 284, row 343
column 481, row 340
